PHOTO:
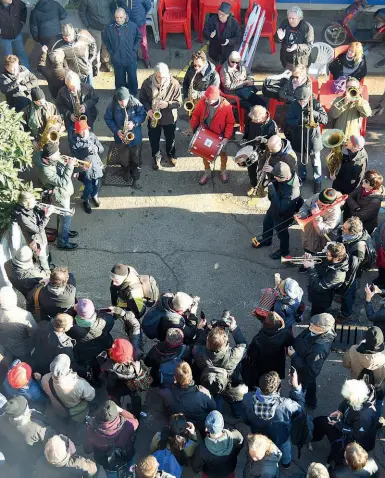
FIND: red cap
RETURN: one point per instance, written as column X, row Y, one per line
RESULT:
column 212, row 93
column 81, row 126
column 122, row 351
column 19, row 375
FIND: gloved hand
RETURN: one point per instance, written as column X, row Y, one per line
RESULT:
column 262, row 140
column 118, row 311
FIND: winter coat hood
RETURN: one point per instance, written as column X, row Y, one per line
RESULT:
column 109, row 429
column 266, row 405
column 44, row 6
column 221, row 446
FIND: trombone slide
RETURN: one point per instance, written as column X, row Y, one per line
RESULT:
column 61, row 211
column 301, row 260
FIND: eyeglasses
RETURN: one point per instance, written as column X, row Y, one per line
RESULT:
column 234, row 61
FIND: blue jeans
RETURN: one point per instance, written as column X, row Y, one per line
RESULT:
column 114, row 474
column 126, row 76
column 16, row 46
column 91, row 187
column 348, row 300
column 286, row 452
column 64, row 223
column 315, row 159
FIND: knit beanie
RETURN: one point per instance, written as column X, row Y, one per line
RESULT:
column 182, row 301
column 357, row 141
column 122, row 351
column 374, row 340
column 16, row 406
column 119, row 271
column 24, row 254
column 37, row 94
column 19, row 375
column 56, row 450
column 108, row 411
column 174, row 337
column 81, row 126
column 212, row 93
column 327, row 196
column 8, row 298
column 122, row 93
column 85, row 308
column 225, row 7
column 214, row 422
column 282, row 170
column 60, row 366
column 50, row 149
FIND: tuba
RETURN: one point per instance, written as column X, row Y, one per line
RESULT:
column 333, row 138
column 51, row 133
column 191, row 102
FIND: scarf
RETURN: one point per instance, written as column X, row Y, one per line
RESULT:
column 159, row 90
column 365, row 193
column 352, row 64
column 348, row 238
column 237, row 75
column 82, row 322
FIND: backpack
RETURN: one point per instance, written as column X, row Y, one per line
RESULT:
column 150, row 287
column 301, row 431
column 115, row 459
column 168, row 463
column 215, row 379
column 370, row 256
column 339, row 85
column 272, row 86
column 142, row 380
column 167, row 369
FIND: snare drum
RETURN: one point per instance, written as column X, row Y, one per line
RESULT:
column 205, row 144
column 246, row 156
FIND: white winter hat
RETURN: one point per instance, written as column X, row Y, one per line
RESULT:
column 24, row 254
column 8, row 298
column 56, row 450
column 182, row 301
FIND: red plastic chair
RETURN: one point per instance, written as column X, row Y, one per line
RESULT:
column 273, row 103
column 175, row 17
column 212, row 6
column 235, row 103
column 270, row 25
column 195, row 14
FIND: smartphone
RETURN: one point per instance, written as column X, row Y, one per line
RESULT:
column 292, row 370
column 105, row 309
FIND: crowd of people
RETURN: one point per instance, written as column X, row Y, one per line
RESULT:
column 73, row 374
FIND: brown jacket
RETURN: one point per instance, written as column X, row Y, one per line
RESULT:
column 54, row 72
column 173, row 97
column 366, row 208
column 356, row 362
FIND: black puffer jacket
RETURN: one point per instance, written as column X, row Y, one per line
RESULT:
column 296, row 117
column 336, row 68
column 310, row 354
column 45, row 19
column 351, row 172
column 286, row 154
column 289, row 94
column 324, row 280
column 232, row 32
column 95, row 15
column 285, row 197
column 304, row 41
column 365, row 207
column 266, row 353
column 268, row 129
column 228, row 358
column 202, row 80
column 12, row 19
column 87, row 97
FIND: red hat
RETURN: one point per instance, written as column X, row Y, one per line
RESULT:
column 81, row 126
column 19, row 375
column 212, row 93
column 121, row 351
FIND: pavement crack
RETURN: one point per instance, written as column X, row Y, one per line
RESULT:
column 245, row 226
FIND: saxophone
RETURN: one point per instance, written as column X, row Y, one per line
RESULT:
column 190, row 103
column 51, row 133
column 79, row 115
column 128, row 135
column 156, row 115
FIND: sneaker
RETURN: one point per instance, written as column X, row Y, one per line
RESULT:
column 204, row 178
column 302, row 270
column 68, row 247
column 317, row 187
column 224, row 176
column 276, row 255
column 96, row 201
column 73, row 234
column 251, row 191
column 87, row 207
column 256, row 244
column 172, row 161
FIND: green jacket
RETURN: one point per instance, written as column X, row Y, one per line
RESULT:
column 56, row 176
column 348, row 116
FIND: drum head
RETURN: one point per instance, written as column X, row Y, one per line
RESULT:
column 243, row 154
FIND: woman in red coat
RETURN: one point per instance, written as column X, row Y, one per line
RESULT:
column 216, row 113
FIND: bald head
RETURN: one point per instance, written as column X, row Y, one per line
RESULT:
column 274, row 143
column 120, row 16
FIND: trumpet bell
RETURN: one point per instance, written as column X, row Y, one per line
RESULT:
column 333, row 138
column 53, row 136
column 83, row 118
column 352, row 93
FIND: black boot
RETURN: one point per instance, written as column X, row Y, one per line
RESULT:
column 87, row 207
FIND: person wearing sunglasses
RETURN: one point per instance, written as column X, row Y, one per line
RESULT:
column 237, row 79
column 223, row 33
column 299, row 84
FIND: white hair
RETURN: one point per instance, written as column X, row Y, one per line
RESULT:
column 297, row 10
column 120, row 10
column 356, row 392
column 235, row 55
column 8, row 298
column 161, row 68
column 72, row 78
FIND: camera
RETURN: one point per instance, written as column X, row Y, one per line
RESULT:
column 224, row 321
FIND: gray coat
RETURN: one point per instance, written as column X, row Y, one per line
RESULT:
column 19, row 86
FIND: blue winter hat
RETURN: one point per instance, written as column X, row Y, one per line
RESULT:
column 214, row 422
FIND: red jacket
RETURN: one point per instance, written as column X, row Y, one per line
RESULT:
column 223, row 121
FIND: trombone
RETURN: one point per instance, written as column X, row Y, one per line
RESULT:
column 301, row 260
column 61, row 211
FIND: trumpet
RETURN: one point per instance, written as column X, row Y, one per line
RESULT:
column 61, row 211
column 155, row 118
column 352, row 94
column 86, row 164
column 301, row 260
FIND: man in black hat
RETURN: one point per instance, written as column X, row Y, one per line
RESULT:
column 223, row 32
column 56, row 176
column 124, row 116
column 285, row 200
column 36, row 116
